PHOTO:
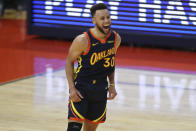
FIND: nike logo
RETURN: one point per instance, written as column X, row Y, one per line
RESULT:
column 94, row 44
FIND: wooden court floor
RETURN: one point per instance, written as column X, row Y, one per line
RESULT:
column 146, row 101
column 156, row 87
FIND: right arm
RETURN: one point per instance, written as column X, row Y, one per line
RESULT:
column 79, row 45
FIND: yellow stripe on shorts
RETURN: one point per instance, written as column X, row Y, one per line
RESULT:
column 78, row 114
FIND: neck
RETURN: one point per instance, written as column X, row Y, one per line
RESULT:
column 98, row 33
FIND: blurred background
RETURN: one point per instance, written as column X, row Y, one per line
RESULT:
column 13, row 9
column 155, row 23
column 49, row 26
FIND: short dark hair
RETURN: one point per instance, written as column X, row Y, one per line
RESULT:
column 96, row 7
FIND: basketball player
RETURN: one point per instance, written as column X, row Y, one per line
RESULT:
column 88, row 86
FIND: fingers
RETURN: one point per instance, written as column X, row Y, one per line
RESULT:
column 112, row 93
column 79, row 94
column 76, row 96
column 112, row 96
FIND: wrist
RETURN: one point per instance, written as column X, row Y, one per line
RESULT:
column 71, row 87
column 112, row 84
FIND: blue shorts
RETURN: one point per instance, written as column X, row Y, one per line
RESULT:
column 92, row 107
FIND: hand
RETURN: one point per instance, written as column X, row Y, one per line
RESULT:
column 75, row 95
column 112, row 93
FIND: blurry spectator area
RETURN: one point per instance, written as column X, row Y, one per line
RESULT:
column 13, row 9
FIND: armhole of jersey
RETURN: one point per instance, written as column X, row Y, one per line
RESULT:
column 115, row 39
column 89, row 44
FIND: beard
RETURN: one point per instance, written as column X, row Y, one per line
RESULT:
column 102, row 31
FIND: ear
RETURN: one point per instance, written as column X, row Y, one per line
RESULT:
column 93, row 20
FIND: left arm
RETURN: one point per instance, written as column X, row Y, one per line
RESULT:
column 118, row 41
column 112, row 89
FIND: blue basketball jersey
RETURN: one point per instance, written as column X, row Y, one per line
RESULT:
column 99, row 60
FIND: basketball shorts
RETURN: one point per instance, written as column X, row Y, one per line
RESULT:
column 92, row 107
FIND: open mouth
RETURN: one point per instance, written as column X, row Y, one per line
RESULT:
column 106, row 27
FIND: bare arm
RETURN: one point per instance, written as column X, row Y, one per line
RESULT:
column 79, row 45
column 118, row 41
column 112, row 89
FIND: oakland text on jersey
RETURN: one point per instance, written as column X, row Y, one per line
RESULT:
column 97, row 56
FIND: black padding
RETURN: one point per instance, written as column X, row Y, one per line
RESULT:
column 74, row 126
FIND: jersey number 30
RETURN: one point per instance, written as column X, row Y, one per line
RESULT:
column 109, row 62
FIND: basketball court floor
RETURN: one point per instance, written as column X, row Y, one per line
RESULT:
column 156, row 87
